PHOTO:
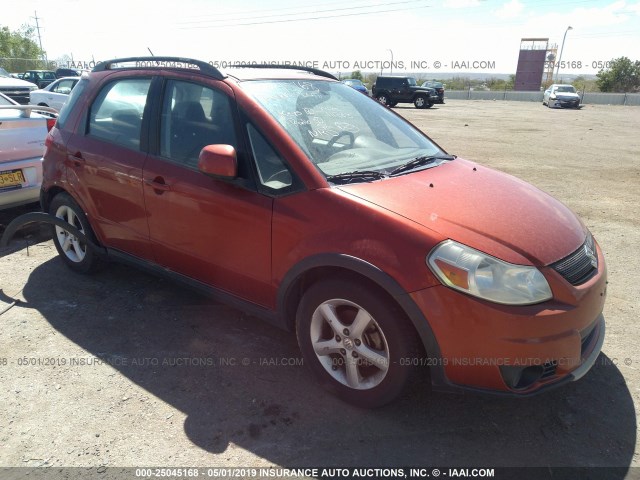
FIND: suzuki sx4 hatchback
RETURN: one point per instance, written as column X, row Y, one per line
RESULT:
column 289, row 194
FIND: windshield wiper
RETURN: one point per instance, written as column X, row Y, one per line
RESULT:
column 347, row 177
column 419, row 162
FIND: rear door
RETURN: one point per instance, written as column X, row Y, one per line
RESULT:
column 105, row 159
column 215, row 231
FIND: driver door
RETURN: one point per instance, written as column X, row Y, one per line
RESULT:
column 215, row 231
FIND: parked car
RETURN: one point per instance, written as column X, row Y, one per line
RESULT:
column 67, row 72
column 41, row 78
column 22, row 136
column 15, row 88
column 438, row 87
column 564, row 96
column 55, row 94
column 357, row 85
column 393, row 90
column 288, row 194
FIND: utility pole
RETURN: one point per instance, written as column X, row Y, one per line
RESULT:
column 40, row 38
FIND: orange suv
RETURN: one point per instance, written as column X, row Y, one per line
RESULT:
column 286, row 193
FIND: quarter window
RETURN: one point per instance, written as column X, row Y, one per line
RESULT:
column 272, row 170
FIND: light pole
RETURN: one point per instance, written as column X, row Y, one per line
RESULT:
column 561, row 49
column 391, row 60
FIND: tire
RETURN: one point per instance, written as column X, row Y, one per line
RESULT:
column 75, row 254
column 392, row 104
column 363, row 341
column 383, row 99
column 421, row 101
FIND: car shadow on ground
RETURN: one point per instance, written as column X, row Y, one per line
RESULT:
column 239, row 380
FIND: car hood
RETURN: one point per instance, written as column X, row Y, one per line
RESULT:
column 482, row 208
column 14, row 82
column 422, row 89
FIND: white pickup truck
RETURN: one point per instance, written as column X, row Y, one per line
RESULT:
column 23, row 130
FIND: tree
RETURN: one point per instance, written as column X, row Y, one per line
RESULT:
column 18, row 49
column 357, row 75
column 623, row 75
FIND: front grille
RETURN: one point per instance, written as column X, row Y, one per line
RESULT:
column 579, row 266
column 19, row 94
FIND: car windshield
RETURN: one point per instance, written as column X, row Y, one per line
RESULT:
column 412, row 81
column 566, row 89
column 339, row 129
column 4, row 73
column 353, row 82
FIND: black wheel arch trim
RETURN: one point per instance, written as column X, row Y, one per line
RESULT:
column 383, row 280
column 40, row 217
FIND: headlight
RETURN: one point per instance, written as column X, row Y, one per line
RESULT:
column 552, row 97
column 481, row 275
column 35, row 87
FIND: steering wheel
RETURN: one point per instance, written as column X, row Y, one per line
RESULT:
column 283, row 176
column 335, row 138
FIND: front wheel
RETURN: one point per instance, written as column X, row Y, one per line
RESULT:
column 357, row 343
column 421, row 102
column 383, row 99
column 75, row 253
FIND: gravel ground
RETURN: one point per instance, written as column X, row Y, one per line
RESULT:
column 124, row 369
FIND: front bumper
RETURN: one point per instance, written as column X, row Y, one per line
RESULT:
column 516, row 350
column 562, row 103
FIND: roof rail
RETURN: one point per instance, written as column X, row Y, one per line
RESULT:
column 316, row 71
column 179, row 62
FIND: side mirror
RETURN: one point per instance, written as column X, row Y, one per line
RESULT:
column 218, row 160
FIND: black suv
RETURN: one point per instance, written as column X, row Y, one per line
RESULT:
column 393, row 90
column 41, row 78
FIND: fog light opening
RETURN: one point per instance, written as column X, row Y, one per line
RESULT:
column 518, row 378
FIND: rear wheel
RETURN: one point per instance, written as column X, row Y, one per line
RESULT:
column 75, row 253
column 356, row 342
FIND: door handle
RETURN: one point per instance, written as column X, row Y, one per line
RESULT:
column 158, row 184
column 75, row 160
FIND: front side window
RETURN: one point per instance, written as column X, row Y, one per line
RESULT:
column 116, row 113
column 338, row 128
column 194, row 116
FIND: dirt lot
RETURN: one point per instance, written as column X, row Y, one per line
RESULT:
column 124, row 369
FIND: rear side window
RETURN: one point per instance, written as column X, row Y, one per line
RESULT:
column 76, row 93
column 64, row 87
column 116, row 113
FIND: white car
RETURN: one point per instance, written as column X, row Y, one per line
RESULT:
column 558, row 95
column 22, row 135
column 55, row 94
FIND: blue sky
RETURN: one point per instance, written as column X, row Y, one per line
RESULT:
column 462, row 35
